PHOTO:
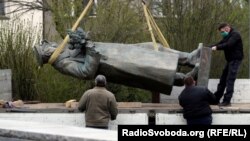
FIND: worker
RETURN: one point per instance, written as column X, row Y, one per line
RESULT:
column 99, row 105
column 232, row 46
column 196, row 101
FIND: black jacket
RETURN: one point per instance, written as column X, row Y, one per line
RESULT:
column 195, row 101
column 232, row 46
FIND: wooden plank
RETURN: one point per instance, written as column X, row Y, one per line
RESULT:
column 129, row 104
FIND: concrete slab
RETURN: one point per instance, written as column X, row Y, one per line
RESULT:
column 53, row 132
column 5, row 85
column 218, row 119
column 75, row 119
column 241, row 92
column 12, row 139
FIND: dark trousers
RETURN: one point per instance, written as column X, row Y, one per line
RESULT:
column 206, row 120
column 227, row 80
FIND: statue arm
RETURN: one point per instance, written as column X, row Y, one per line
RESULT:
column 83, row 68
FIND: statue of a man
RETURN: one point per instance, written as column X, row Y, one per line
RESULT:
column 136, row 65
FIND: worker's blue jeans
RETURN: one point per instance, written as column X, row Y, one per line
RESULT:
column 227, row 80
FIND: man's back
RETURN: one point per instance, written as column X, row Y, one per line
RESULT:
column 99, row 106
column 195, row 101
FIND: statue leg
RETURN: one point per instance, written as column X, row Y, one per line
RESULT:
column 185, row 59
column 179, row 77
column 194, row 71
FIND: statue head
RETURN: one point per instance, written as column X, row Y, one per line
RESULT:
column 43, row 51
column 77, row 38
column 100, row 81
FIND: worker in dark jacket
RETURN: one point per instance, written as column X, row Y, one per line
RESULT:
column 232, row 46
column 196, row 101
column 99, row 105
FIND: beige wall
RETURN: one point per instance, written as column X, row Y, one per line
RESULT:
column 32, row 19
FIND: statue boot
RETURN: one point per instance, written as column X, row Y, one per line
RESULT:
column 194, row 57
column 189, row 59
column 194, row 71
column 179, row 77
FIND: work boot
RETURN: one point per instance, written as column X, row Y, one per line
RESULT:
column 224, row 104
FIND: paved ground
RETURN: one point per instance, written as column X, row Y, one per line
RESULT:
column 51, row 132
column 12, row 139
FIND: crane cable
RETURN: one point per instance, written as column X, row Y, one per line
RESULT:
column 153, row 26
column 149, row 26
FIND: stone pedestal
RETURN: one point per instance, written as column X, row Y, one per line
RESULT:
column 5, row 85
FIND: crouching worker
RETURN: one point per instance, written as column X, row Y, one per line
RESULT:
column 196, row 101
column 99, row 105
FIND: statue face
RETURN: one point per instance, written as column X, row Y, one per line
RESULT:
column 38, row 55
column 43, row 51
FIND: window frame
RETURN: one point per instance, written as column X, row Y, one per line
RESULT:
column 3, row 10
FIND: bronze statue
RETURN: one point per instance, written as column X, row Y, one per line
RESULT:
column 136, row 65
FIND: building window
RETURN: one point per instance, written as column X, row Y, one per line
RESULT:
column 2, row 12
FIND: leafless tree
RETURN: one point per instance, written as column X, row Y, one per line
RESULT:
column 23, row 6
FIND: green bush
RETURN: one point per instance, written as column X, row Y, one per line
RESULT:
column 186, row 23
column 16, row 54
column 29, row 82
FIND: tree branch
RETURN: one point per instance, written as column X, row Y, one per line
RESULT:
column 26, row 6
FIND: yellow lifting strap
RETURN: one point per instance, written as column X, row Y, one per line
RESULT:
column 149, row 26
column 66, row 39
column 152, row 24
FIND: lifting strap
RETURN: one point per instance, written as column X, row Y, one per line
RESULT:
column 152, row 25
column 149, row 25
column 66, row 39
